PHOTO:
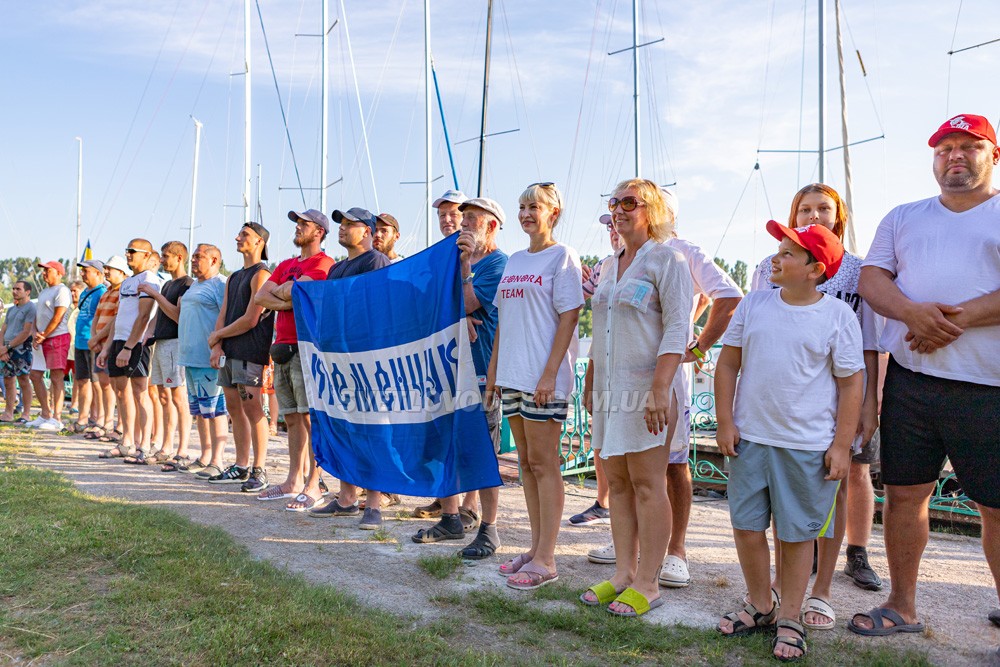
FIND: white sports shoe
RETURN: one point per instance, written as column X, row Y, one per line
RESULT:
column 50, row 425
column 674, row 573
column 604, row 555
column 36, row 422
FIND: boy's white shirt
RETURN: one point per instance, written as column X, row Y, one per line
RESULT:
column 786, row 395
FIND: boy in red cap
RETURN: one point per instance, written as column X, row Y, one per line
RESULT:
column 798, row 354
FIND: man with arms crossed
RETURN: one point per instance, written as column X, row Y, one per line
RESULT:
column 933, row 271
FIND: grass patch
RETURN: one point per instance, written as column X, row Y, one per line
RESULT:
column 382, row 535
column 440, row 567
column 85, row 581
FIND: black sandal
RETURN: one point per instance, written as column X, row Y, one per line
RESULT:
column 481, row 547
column 761, row 621
column 795, row 642
column 138, row 459
column 436, row 533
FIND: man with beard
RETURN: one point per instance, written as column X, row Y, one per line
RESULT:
column 933, row 271
column 386, row 235
column 311, row 229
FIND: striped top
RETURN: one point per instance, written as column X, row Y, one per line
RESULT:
column 107, row 307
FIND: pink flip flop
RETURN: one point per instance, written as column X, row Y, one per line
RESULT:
column 514, row 564
column 536, row 578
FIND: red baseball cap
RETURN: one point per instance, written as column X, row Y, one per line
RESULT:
column 817, row 239
column 54, row 265
column 966, row 123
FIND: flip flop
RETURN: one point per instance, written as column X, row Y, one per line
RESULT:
column 306, row 501
column 637, row 601
column 514, row 565
column 604, row 592
column 818, row 606
column 879, row 629
column 536, row 578
column 275, row 493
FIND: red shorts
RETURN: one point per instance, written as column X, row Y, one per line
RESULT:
column 56, row 351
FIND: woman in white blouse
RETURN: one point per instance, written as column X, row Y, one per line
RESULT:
column 534, row 351
column 642, row 310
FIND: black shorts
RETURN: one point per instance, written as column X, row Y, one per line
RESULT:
column 926, row 419
column 83, row 365
column 138, row 363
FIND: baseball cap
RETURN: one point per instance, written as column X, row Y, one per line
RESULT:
column 454, row 196
column 260, row 231
column 312, row 215
column 356, row 214
column 487, row 205
column 606, row 220
column 118, row 262
column 966, row 123
column 817, row 239
column 92, row 263
column 388, row 219
column 54, row 265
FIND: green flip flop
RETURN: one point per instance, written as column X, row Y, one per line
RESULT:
column 604, row 591
column 633, row 598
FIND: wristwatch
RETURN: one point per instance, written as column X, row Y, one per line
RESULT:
column 696, row 351
column 468, row 281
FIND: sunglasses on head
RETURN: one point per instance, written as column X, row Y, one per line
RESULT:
column 548, row 184
column 628, row 204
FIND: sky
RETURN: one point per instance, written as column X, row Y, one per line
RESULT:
column 728, row 82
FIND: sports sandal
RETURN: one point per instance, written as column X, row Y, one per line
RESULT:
column 175, row 464
column 117, row 452
column 760, row 621
column 795, row 642
column 879, row 628
column 637, row 601
column 818, row 606
column 436, row 533
column 139, row 459
column 483, row 546
column 111, row 436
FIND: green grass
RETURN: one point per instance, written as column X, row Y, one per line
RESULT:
column 440, row 567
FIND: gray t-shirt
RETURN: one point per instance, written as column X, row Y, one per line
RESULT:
column 49, row 299
column 16, row 318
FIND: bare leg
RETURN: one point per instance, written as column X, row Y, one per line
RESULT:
column 679, row 491
column 82, row 392
column 755, row 561
column 24, row 381
column 299, row 452
column 603, row 494
column 156, row 432
column 204, row 439
column 57, row 379
column 795, row 570
column 108, row 400
column 991, row 541
column 169, row 420
column 860, row 505
column 828, row 554
column 218, row 433
column 38, row 382
column 241, row 425
column 144, row 411
column 541, row 466
column 178, row 400
column 126, row 409
column 10, row 389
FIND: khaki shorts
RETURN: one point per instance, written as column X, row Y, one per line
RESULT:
column 164, row 370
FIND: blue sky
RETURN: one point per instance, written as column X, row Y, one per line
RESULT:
column 728, row 79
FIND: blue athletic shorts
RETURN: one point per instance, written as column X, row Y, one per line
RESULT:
column 205, row 397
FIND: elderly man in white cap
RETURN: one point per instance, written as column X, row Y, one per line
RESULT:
column 449, row 217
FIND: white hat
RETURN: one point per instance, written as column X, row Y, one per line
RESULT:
column 454, row 196
column 487, row 205
column 118, row 262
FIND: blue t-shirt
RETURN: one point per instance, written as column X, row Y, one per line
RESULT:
column 85, row 314
column 487, row 273
column 363, row 263
column 200, row 307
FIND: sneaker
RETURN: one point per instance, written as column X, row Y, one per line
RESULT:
column 334, row 508
column 593, row 514
column 674, row 573
column 36, row 422
column 50, row 425
column 604, row 555
column 234, row 474
column 860, row 571
column 257, row 481
column 372, row 519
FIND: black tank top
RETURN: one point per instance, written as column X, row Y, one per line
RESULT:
column 253, row 345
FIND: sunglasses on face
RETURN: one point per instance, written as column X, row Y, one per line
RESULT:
column 132, row 251
column 628, row 204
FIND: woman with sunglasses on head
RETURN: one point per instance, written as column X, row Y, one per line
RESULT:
column 819, row 204
column 534, row 352
column 642, row 310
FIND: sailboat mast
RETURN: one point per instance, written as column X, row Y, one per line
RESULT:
column 325, row 108
column 852, row 243
column 428, row 82
column 194, row 188
column 486, row 90
column 822, row 91
column 635, row 82
column 79, row 206
column 247, row 175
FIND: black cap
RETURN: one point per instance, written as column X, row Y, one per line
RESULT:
column 260, row 231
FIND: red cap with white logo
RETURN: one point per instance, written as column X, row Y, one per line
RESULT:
column 966, row 123
column 817, row 239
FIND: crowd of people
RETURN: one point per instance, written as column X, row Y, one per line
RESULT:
column 799, row 401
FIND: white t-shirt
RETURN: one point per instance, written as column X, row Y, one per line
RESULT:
column 128, row 304
column 49, row 299
column 709, row 278
column 843, row 286
column 534, row 290
column 941, row 256
column 787, row 394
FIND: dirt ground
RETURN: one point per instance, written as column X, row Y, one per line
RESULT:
column 956, row 589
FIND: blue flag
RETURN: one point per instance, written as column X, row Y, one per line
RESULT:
column 393, row 395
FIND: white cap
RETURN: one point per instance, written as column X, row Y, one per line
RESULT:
column 454, row 196
column 118, row 262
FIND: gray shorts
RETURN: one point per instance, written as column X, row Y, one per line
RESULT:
column 870, row 452
column 786, row 484
column 290, row 387
column 164, row 371
column 238, row 372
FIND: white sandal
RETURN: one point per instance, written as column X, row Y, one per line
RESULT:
column 819, row 606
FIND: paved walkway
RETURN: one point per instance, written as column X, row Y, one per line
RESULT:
column 956, row 588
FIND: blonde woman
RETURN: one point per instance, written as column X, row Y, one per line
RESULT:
column 539, row 300
column 642, row 311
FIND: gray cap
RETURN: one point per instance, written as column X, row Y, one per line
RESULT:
column 92, row 263
column 312, row 215
column 606, row 220
column 356, row 214
column 454, row 196
column 118, row 262
column 487, row 205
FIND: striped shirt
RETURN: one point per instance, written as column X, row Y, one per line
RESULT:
column 107, row 307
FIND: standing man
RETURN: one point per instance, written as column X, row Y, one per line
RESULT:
column 166, row 375
column 197, row 312
column 52, row 342
column 115, row 272
column 933, row 271
column 127, row 358
column 243, row 335
column 386, row 235
column 449, row 217
column 15, row 353
column 357, row 230
column 92, row 273
column 482, row 267
column 311, row 229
